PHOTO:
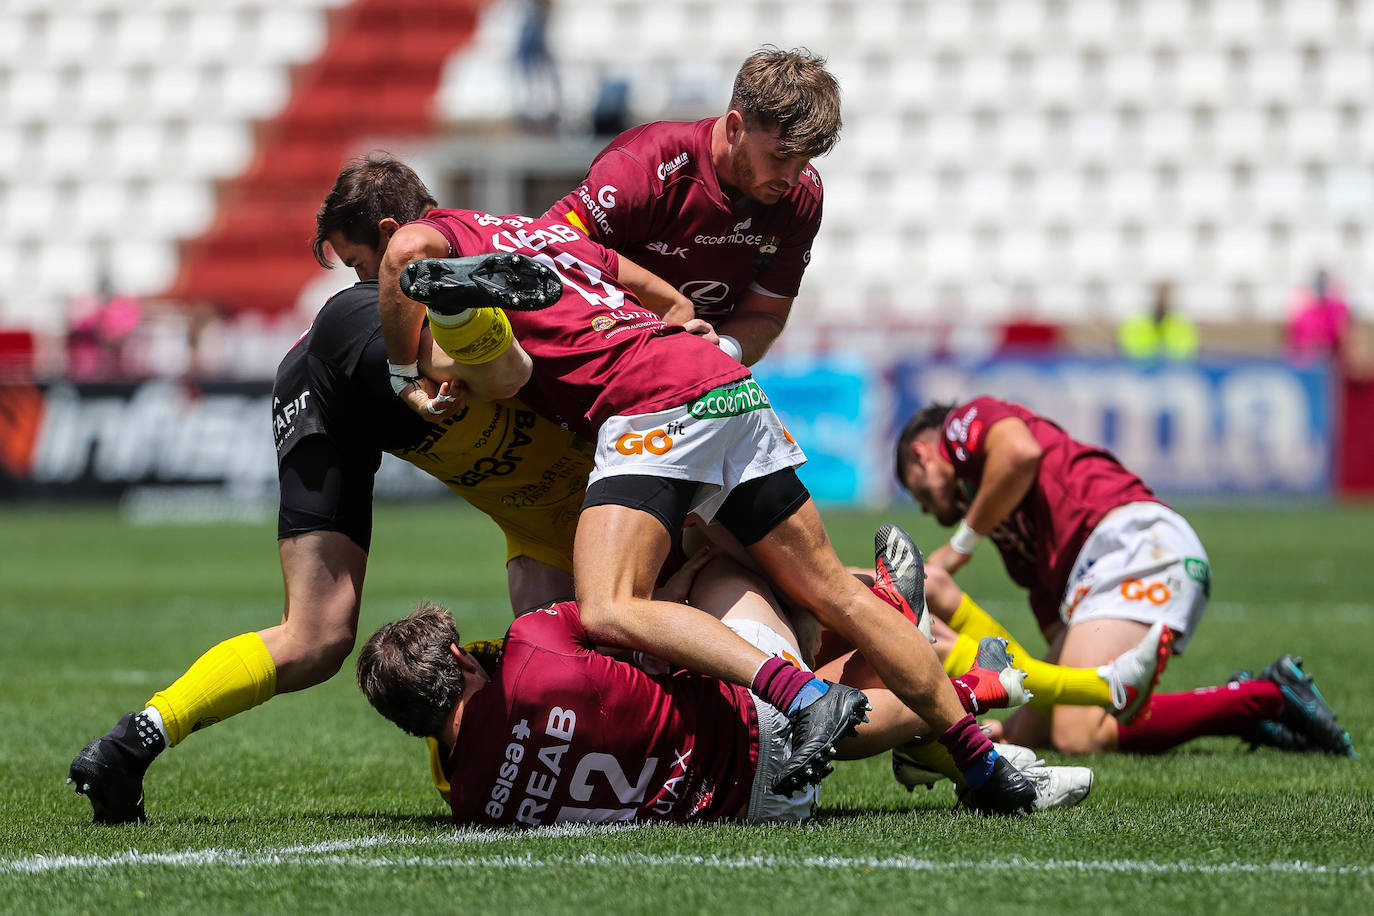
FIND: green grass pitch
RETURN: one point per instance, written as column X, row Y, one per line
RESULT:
column 312, row 803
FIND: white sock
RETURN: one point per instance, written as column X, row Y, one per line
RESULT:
column 155, row 717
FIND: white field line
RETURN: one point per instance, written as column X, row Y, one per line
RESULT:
column 337, row 853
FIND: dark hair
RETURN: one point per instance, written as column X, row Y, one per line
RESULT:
column 792, row 91
column 932, row 416
column 408, row 672
column 368, row 190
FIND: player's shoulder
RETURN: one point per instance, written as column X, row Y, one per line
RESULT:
column 663, row 149
column 342, row 329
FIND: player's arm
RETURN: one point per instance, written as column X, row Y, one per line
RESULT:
column 500, row 378
column 1011, row 461
column 402, row 319
column 755, row 322
column 655, row 293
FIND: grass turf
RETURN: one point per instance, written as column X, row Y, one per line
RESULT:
column 312, row 803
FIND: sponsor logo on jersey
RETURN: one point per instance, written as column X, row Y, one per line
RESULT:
column 730, row 401
column 284, row 416
column 813, row 175
column 1200, row 572
column 1137, row 590
column 606, row 196
column 672, row 165
column 737, row 237
column 740, row 227
column 663, row 249
column 597, row 211
column 705, row 292
column 625, row 320
column 655, row 442
column 767, row 248
column 958, row 432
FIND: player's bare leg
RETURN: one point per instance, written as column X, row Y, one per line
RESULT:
column 798, row 558
column 616, row 557
column 1091, row 729
column 533, row 584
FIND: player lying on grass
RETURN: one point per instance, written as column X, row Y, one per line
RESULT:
column 680, row 428
column 553, row 731
column 1104, row 561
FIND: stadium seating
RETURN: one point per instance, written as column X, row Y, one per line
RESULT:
column 1053, row 152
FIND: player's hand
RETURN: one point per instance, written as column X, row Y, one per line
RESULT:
column 679, row 584
column 435, row 403
column 947, row 558
column 702, row 328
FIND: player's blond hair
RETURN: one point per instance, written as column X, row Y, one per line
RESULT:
column 792, row 92
column 408, row 672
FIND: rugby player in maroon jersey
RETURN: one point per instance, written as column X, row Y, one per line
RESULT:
column 552, row 731
column 681, row 428
column 724, row 209
column 1103, row 560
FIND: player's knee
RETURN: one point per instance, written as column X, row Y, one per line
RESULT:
column 943, row 594
column 320, row 658
column 1084, row 731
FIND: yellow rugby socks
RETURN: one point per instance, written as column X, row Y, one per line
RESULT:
column 1051, row 684
column 473, row 336
column 232, row 677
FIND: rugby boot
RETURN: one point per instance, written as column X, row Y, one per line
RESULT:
column 512, row 282
column 1305, row 710
column 1133, row 674
column 993, row 682
column 899, row 571
column 1058, row 787
column 815, row 727
column 909, row 769
column 109, row 771
column 1007, row 791
column 1269, row 732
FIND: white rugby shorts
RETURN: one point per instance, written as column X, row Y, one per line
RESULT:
column 722, row 439
column 774, row 749
column 1142, row 562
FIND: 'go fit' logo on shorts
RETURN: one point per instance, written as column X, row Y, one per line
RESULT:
column 1135, row 590
column 657, row 442
column 730, row 400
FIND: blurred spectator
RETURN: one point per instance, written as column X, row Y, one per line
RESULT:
column 1159, row 335
column 611, row 111
column 1318, row 323
column 541, row 92
column 100, row 326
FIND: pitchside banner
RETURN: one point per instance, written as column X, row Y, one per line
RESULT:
column 1234, row 427
column 185, row 451
column 166, row 449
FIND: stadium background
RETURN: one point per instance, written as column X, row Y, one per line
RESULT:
column 1013, row 179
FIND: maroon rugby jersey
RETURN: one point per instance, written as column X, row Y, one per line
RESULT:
column 563, row 733
column 654, row 195
column 598, row 353
column 1076, row 485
